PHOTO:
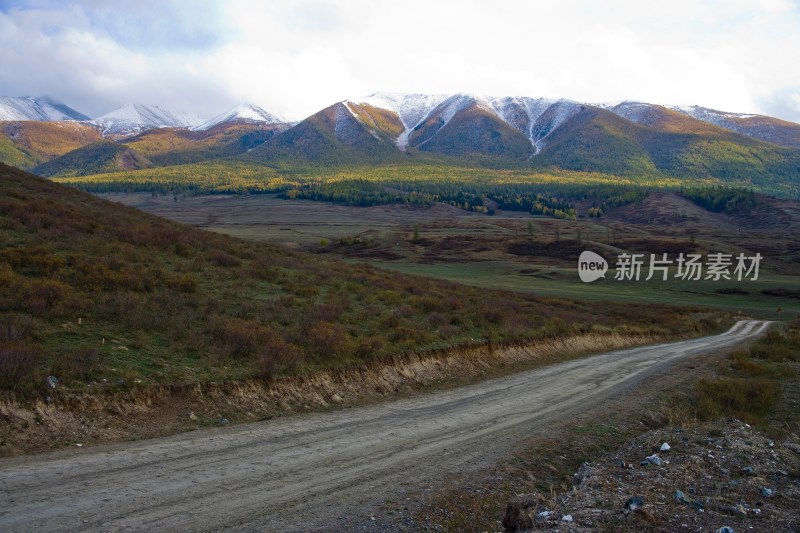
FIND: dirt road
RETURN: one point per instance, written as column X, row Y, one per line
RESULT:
column 327, row 471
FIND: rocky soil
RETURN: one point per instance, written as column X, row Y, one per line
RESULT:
column 707, row 478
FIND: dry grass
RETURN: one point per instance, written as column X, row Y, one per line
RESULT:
column 747, row 399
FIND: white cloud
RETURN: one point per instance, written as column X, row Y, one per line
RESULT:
column 295, row 57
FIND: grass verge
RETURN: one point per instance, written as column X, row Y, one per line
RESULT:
column 69, row 417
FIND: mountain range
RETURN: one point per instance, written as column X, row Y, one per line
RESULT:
column 36, row 108
column 628, row 138
column 131, row 119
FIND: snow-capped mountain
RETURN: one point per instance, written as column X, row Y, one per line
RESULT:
column 536, row 118
column 416, row 118
column 411, row 109
column 244, row 113
column 384, row 127
column 131, row 119
column 620, row 138
column 759, row 127
column 637, row 112
column 722, row 119
column 40, row 109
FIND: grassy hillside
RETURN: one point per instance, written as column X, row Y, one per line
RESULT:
column 95, row 158
column 769, row 129
column 596, row 140
column 332, row 136
column 385, row 123
column 10, row 154
column 27, row 144
column 674, row 146
column 102, row 295
column 169, row 146
column 222, row 176
column 473, row 133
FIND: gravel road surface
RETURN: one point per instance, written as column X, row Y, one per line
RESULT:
column 319, row 471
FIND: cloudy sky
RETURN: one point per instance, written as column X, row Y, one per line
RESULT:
column 294, row 57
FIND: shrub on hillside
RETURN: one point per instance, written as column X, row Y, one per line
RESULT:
column 18, row 364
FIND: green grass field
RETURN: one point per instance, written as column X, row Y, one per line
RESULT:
column 564, row 283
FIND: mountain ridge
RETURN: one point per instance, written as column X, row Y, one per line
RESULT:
column 536, row 117
column 40, row 109
column 243, row 113
column 628, row 139
column 132, row 118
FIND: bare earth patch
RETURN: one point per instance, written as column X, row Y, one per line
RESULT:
column 712, row 476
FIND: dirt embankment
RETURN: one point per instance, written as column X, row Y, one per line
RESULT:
column 81, row 418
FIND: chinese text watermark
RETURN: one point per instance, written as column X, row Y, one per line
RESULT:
column 692, row 267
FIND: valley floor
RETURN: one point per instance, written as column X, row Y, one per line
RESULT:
column 519, row 252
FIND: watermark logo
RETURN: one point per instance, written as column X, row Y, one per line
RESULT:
column 691, row 267
column 591, row 266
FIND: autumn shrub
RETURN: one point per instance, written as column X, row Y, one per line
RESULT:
column 327, row 340
column 428, row 304
column 189, row 302
column 182, row 249
column 276, row 355
column 18, row 364
column 183, row 283
column 264, row 269
column 366, row 347
column 747, row 399
column 83, row 363
column 38, row 260
column 302, row 288
column 224, row 259
column 240, row 339
column 437, row 320
column 406, row 333
column 778, row 346
column 47, row 296
column 517, row 327
column 326, row 312
column 743, row 365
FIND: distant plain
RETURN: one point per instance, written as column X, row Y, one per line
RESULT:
column 520, row 252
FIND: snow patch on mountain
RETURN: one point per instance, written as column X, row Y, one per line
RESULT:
column 456, row 103
column 244, row 113
column 633, row 111
column 411, row 109
column 537, row 118
column 722, row 119
column 131, row 119
column 711, row 114
column 40, row 109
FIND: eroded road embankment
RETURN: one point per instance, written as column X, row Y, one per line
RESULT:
column 306, row 472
